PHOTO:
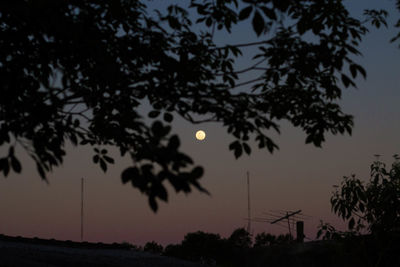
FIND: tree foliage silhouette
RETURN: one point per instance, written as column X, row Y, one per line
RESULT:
column 266, row 239
column 372, row 206
column 372, row 211
column 240, row 238
column 77, row 71
column 201, row 246
column 153, row 247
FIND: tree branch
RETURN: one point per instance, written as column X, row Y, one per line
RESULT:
column 246, row 83
column 239, row 45
column 254, row 67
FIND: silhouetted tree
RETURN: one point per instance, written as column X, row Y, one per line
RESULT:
column 153, row 247
column 372, row 210
column 284, row 239
column 240, row 238
column 174, row 250
column 77, row 71
column 264, row 240
column 372, row 206
column 201, row 246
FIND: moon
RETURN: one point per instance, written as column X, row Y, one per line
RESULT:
column 200, row 135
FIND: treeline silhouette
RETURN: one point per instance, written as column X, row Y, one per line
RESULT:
column 265, row 249
column 201, row 247
column 66, row 243
column 212, row 249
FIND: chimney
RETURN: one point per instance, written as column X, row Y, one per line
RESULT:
column 300, row 231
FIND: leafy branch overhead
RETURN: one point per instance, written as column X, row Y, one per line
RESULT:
column 77, row 71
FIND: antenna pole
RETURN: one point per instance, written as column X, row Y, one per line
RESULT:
column 81, row 209
column 286, row 216
column 288, row 222
column 248, row 203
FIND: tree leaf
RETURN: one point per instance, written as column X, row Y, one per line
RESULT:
column 125, row 177
column 353, row 70
column 209, row 22
column 238, row 151
column 157, row 129
column 271, row 145
column 197, row 172
column 258, row 23
column 84, row 142
column 233, row 145
column 103, row 165
column 245, row 12
column 41, row 171
column 161, row 192
column 108, row 159
column 347, row 81
column 174, row 23
column 73, row 139
column 16, row 165
column 96, row 159
column 154, row 114
column 351, row 223
column 362, row 71
column 153, row 203
column 174, row 142
column 270, row 13
column 168, row 117
column 361, row 207
column 11, row 151
column 129, row 174
column 247, row 148
column 5, row 166
column 3, row 162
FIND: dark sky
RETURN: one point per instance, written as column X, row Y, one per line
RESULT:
column 298, row 176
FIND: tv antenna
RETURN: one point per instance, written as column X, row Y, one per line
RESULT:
column 278, row 216
column 287, row 216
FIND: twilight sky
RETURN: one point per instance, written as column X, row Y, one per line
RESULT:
column 297, row 176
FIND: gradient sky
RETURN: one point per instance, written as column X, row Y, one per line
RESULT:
column 297, row 176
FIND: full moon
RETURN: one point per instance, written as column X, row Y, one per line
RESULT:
column 200, row 135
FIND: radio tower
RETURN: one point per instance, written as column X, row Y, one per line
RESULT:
column 81, row 209
column 248, row 204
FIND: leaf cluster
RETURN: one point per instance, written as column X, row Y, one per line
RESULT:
column 77, row 72
column 372, row 206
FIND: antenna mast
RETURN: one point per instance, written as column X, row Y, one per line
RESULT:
column 81, row 209
column 248, row 203
column 287, row 216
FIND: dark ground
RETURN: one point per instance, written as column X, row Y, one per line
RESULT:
column 27, row 252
